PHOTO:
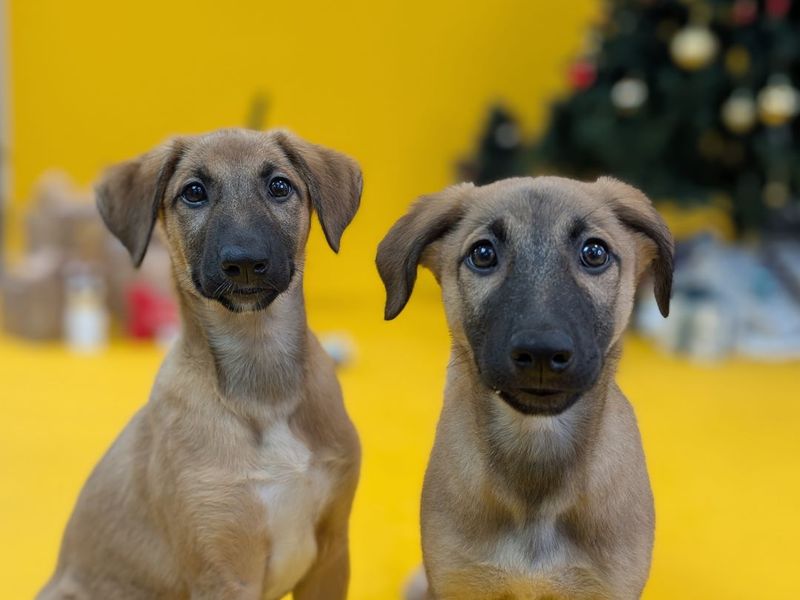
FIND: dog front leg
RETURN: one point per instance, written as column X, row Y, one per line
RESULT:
column 329, row 575
column 230, row 566
column 228, row 571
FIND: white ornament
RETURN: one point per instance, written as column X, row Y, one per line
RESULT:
column 507, row 136
column 778, row 102
column 629, row 94
column 739, row 112
column 693, row 47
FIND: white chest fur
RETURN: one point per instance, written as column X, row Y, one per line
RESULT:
column 294, row 493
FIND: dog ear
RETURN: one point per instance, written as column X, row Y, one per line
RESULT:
column 637, row 213
column 401, row 251
column 333, row 180
column 129, row 196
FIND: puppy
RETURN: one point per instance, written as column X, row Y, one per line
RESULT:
column 537, row 486
column 236, row 479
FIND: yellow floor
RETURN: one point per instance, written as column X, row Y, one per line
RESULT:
column 723, row 446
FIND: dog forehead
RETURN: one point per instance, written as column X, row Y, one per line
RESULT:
column 537, row 204
column 228, row 152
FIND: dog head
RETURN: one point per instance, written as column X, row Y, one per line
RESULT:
column 538, row 277
column 235, row 205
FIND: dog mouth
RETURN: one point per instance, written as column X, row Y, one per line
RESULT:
column 248, row 299
column 248, row 291
column 239, row 299
column 538, row 401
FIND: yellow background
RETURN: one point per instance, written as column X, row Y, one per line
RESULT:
column 403, row 87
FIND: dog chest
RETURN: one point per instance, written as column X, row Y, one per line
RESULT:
column 293, row 491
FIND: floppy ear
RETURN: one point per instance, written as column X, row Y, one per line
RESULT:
column 637, row 213
column 333, row 180
column 399, row 253
column 129, row 196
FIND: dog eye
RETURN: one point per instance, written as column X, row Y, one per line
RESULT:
column 482, row 256
column 194, row 193
column 279, row 187
column 594, row 254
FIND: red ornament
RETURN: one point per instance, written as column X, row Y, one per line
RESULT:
column 582, row 74
column 778, row 8
column 744, row 12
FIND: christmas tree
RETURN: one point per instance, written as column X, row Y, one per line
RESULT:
column 693, row 101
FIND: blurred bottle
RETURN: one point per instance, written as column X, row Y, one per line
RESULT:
column 85, row 314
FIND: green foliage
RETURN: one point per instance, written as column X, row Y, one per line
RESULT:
column 668, row 131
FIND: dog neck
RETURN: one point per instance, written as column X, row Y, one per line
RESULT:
column 257, row 357
column 529, row 458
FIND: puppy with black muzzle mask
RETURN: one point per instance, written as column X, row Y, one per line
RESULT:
column 236, row 479
column 537, row 486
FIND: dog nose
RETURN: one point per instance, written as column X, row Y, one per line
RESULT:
column 240, row 267
column 548, row 350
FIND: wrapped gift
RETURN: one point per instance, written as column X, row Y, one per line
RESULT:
column 65, row 219
column 142, row 299
column 33, row 297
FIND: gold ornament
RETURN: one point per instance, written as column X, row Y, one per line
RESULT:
column 733, row 155
column 711, row 145
column 776, row 194
column 737, row 61
column 777, row 102
column 693, row 47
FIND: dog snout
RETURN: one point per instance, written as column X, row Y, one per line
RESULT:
column 548, row 351
column 243, row 267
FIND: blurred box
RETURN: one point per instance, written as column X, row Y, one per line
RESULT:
column 64, row 230
column 65, row 219
column 33, row 297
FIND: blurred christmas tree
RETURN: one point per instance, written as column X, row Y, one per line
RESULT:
column 500, row 151
column 690, row 100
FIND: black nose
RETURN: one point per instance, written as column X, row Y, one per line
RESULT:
column 548, row 350
column 241, row 266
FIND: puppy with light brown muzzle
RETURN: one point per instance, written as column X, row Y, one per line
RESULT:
column 537, row 486
column 236, row 479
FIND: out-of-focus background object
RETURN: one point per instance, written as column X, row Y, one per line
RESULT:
column 694, row 101
column 73, row 274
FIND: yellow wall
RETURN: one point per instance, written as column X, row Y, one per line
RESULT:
column 401, row 85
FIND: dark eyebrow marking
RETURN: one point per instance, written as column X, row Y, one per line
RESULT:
column 203, row 175
column 577, row 228
column 267, row 169
column 498, row 229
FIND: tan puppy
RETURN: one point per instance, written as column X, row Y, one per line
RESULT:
column 537, row 486
column 237, row 477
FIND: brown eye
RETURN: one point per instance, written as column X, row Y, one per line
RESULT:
column 194, row 193
column 482, row 256
column 280, row 188
column 594, row 254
